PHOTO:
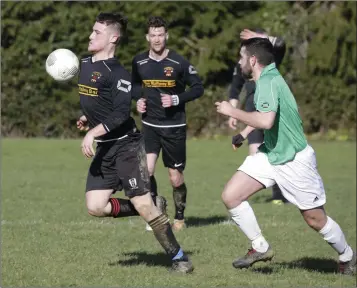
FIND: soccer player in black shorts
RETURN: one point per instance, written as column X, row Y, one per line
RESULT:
column 119, row 160
column 159, row 79
column 255, row 136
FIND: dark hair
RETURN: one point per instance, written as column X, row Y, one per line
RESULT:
column 117, row 20
column 261, row 48
column 156, row 22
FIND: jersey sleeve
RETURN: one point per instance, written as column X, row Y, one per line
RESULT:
column 121, row 87
column 237, row 83
column 190, row 77
column 267, row 95
column 135, row 81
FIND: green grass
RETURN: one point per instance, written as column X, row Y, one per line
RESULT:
column 48, row 239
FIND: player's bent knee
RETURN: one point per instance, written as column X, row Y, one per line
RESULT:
column 95, row 211
column 231, row 198
column 176, row 179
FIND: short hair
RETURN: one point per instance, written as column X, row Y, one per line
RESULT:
column 261, row 48
column 118, row 21
column 155, row 22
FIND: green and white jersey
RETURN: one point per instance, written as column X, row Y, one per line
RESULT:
column 286, row 137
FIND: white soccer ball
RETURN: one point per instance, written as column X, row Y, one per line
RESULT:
column 62, row 65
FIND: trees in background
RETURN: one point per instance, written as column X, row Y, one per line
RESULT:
column 320, row 63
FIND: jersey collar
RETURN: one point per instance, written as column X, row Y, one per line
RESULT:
column 268, row 68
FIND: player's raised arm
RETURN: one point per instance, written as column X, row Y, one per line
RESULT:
column 279, row 49
column 236, row 86
column 193, row 80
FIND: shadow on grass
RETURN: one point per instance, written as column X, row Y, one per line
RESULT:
column 204, row 221
column 139, row 258
column 320, row 265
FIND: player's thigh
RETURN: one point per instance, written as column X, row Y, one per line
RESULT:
column 102, row 174
column 131, row 164
column 239, row 188
column 300, row 181
column 151, row 139
column 173, row 142
column 253, row 175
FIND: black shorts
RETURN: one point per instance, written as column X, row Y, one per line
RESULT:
column 171, row 140
column 257, row 136
column 120, row 164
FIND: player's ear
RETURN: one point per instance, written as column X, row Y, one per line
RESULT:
column 147, row 38
column 115, row 39
column 167, row 36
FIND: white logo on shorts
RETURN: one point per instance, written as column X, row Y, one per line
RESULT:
column 133, row 183
column 178, row 165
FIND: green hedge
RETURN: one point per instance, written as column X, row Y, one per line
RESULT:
column 320, row 64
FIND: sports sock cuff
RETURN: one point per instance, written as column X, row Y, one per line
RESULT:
column 181, row 187
column 327, row 227
column 115, row 206
column 240, row 208
column 159, row 220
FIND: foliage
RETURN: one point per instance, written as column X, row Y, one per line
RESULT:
column 319, row 65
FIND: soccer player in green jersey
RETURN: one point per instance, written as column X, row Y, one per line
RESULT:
column 285, row 158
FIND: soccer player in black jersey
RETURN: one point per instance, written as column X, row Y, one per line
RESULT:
column 159, row 79
column 255, row 136
column 119, row 160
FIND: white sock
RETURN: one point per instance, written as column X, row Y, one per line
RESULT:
column 334, row 236
column 244, row 217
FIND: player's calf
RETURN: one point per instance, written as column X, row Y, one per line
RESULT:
column 161, row 228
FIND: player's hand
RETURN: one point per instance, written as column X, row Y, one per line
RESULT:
column 248, row 34
column 166, row 100
column 237, row 141
column 224, row 108
column 82, row 123
column 87, row 145
column 232, row 123
column 141, row 105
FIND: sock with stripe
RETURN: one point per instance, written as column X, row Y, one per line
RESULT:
column 163, row 233
column 122, row 208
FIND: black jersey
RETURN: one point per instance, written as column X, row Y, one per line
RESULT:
column 168, row 76
column 105, row 96
column 238, row 80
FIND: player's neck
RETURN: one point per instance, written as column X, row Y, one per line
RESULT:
column 103, row 55
column 256, row 74
column 158, row 56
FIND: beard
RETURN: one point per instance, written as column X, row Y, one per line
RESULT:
column 247, row 72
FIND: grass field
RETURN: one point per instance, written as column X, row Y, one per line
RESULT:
column 48, row 239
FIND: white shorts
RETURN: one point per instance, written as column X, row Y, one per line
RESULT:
column 298, row 180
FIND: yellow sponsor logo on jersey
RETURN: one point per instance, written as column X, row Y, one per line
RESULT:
column 87, row 90
column 159, row 83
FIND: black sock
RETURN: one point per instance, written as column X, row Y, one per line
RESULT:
column 153, row 187
column 122, row 208
column 163, row 233
column 276, row 193
column 179, row 194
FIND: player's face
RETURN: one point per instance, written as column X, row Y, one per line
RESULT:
column 100, row 38
column 245, row 65
column 157, row 39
